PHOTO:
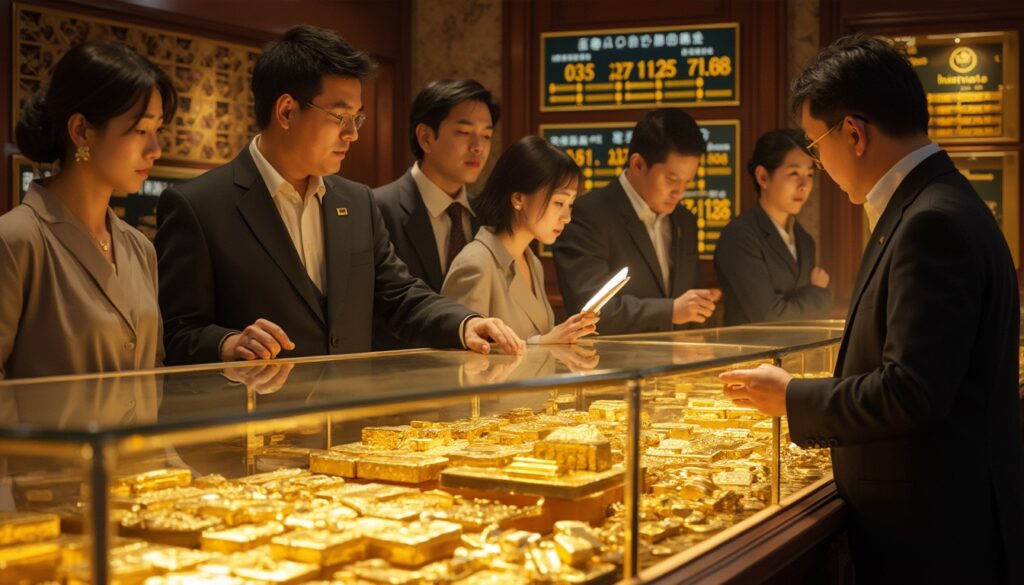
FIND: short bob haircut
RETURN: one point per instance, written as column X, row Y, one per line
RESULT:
column 433, row 104
column 664, row 131
column 297, row 63
column 771, row 150
column 865, row 76
column 529, row 166
column 101, row 81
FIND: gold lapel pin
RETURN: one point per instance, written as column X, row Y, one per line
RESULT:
column 881, row 240
column 342, row 211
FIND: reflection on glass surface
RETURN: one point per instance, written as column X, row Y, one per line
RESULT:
column 211, row 394
column 423, row 465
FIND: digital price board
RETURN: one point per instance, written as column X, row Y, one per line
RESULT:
column 640, row 68
column 971, row 83
column 602, row 152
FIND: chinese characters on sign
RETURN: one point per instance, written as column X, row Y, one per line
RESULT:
column 637, row 68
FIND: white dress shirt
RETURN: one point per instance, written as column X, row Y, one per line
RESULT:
column 788, row 237
column 302, row 215
column 437, row 202
column 659, row 228
column 879, row 195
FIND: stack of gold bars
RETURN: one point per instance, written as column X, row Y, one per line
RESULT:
column 523, row 497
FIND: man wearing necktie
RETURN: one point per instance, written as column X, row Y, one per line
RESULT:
column 427, row 210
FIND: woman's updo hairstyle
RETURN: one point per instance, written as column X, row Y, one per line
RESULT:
column 529, row 165
column 99, row 80
column 771, row 150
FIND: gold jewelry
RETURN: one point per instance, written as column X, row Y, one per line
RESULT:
column 105, row 246
column 82, row 154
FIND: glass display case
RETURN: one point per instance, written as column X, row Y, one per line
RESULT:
column 615, row 458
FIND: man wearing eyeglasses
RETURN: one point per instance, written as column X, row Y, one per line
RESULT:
column 273, row 254
column 921, row 416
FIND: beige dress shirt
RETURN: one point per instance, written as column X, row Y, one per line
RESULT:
column 483, row 278
column 65, row 310
column 437, row 202
column 302, row 215
column 659, row 228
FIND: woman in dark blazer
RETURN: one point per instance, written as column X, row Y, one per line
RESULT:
column 765, row 260
column 78, row 284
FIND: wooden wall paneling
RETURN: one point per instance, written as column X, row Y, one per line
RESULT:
column 380, row 26
column 843, row 224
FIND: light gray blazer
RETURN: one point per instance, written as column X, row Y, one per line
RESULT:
column 483, row 278
column 64, row 309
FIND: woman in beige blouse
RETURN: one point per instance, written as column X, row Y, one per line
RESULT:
column 528, row 197
column 78, row 284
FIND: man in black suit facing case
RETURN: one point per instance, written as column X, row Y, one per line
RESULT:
column 273, row 254
column 921, row 416
column 636, row 221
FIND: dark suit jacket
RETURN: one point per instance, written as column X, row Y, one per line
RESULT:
column 605, row 235
column 225, row 260
column 408, row 222
column 760, row 279
column 922, row 415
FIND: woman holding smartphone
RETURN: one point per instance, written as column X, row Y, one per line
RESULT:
column 529, row 196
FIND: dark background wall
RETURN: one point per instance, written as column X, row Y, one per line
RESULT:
column 497, row 41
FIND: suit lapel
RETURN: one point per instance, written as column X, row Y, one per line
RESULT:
column 420, row 232
column 74, row 237
column 337, row 247
column 527, row 298
column 804, row 252
column 258, row 210
column 638, row 232
column 908, row 190
column 773, row 240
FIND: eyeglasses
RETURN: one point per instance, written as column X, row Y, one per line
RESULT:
column 344, row 120
column 812, row 148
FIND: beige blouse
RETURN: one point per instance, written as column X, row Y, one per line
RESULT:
column 483, row 278
column 64, row 309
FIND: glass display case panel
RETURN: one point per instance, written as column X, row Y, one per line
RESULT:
column 44, row 510
column 747, row 337
column 536, row 458
column 708, row 464
column 800, row 467
column 513, row 484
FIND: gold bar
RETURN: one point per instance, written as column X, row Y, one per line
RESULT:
column 281, row 573
column 321, row 518
column 385, row 437
column 535, row 468
column 484, row 455
column 196, row 578
column 319, row 547
column 175, row 528
column 415, row 543
column 283, row 456
column 278, row 474
column 334, row 463
column 160, row 499
column 580, row 447
column 407, row 469
column 239, row 538
column 150, row 481
column 29, row 563
column 27, row 527
column 573, row 551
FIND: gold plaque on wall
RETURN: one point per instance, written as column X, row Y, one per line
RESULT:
column 971, row 80
column 215, row 118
